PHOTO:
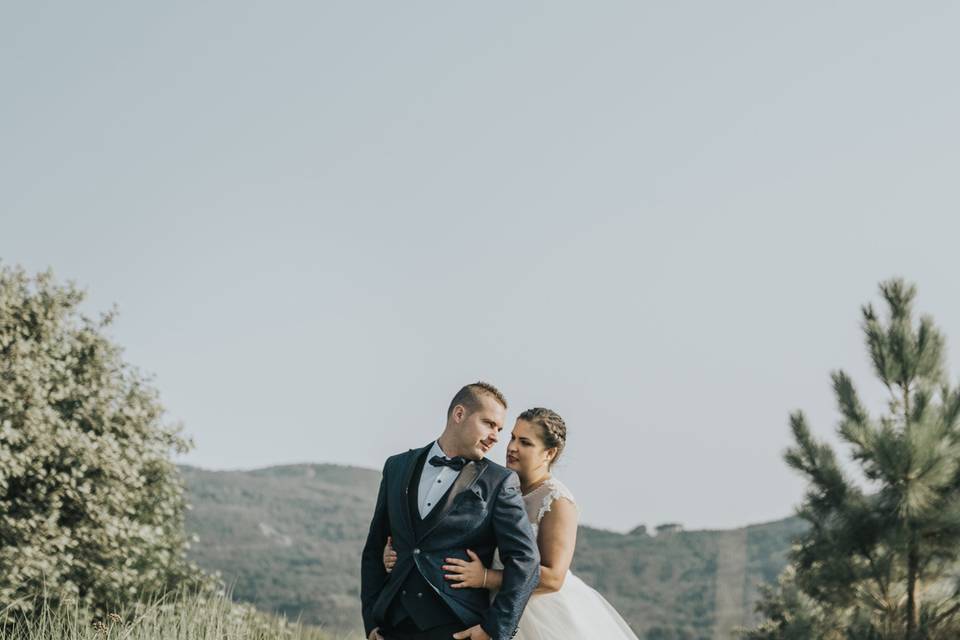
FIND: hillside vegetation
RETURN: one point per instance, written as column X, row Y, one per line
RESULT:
column 288, row 540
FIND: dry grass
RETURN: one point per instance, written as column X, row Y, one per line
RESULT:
column 170, row 618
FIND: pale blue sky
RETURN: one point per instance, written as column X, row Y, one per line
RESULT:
column 318, row 220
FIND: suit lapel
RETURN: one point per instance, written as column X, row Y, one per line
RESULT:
column 468, row 477
column 405, row 487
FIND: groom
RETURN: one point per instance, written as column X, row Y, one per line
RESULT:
column 436, row 502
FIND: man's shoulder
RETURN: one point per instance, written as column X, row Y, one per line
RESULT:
column 402, row 458
column 497, row 472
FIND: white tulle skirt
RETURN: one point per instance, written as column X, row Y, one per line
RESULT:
column 575, row 612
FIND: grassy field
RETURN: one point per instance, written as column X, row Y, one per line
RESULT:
column 191, row 618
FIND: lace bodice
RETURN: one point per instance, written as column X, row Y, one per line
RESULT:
column 539, row 501
column 575, row 611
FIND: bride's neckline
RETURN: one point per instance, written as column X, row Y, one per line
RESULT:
column 537, row 486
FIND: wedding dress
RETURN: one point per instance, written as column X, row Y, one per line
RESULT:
column 576, row 611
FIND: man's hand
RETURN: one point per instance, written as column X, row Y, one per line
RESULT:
column 473, row 633
column 375, row 634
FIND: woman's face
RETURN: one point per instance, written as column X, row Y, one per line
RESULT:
column 526, row 453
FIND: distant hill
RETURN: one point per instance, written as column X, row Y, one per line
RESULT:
column 288, row 539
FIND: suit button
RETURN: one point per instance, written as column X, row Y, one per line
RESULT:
column 416, row 552
column 419, row 595
column 404, row 592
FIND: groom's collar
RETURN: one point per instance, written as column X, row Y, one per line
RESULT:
column 436, row 450
column 433, row 449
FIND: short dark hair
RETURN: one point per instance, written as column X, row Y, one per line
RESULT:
column 469, row 397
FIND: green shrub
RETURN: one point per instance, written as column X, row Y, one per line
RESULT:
column 91, row 505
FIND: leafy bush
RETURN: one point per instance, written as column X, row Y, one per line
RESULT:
column 91, row 505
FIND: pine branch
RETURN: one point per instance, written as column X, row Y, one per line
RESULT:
column 817, row 461
column 876, row 344
column 855, row 426
column 920, row 405
column 951, row 409
column 899, row 296
column 931, row 352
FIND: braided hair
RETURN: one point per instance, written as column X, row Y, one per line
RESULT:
column 553, row 430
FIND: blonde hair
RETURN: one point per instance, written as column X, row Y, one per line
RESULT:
column 469, row 397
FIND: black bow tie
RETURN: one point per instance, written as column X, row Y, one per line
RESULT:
column 454, row 463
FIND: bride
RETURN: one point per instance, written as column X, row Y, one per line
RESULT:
column 563, row 606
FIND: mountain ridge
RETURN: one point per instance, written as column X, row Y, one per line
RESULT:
column 358, row 468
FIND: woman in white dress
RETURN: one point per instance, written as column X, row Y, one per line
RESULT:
column 563, row 606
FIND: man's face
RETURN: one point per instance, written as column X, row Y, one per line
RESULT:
column 478, row 431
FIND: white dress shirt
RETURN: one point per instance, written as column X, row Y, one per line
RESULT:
column 434, row 481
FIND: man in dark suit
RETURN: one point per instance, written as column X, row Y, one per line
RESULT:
column 436, row 502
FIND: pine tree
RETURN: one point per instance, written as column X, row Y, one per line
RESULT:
column 878, row 561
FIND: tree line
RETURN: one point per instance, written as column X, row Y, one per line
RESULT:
column 92, row 505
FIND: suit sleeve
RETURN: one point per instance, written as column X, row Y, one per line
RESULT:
column 372, row 573
column 520, row 557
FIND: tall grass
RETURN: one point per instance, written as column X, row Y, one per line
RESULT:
column 169, row 618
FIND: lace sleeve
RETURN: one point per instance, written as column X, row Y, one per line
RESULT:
column 556, row 492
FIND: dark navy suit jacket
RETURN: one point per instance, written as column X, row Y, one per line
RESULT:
column 483, row 511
